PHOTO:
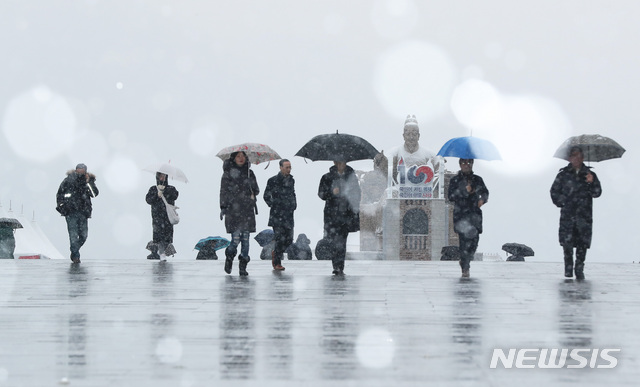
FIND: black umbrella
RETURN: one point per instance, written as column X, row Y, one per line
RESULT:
column 264, row 237
column 337, row 147
column 518, row 249
column 10, row 222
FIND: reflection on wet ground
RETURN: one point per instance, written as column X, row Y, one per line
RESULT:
column 186, row 323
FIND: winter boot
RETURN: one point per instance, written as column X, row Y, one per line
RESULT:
column 243, row 265
column 568, row 262
column 580, row 270
column 228, row 263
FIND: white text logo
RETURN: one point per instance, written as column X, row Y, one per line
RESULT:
column 555, row 358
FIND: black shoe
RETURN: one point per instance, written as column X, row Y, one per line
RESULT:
column 75, row 260
column 153, row 256
column 568, row 271
column 228, row 265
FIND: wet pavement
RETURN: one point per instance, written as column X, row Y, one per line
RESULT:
column 185, row 323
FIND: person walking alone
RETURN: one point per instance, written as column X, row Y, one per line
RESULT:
column 340, row 190
column 573, row 191
column 468, row 193
column 238, row 193
column 74, row 203
column 280, row 195
column 162, row 227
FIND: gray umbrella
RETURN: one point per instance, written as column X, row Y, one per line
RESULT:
column 10, row 222
column 594, row 147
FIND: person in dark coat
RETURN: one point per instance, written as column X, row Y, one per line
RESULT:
column 7, row 242
column 341, row 192
column 74, row 203
column 301, row 249
column 468, row 193
column 238, row 193
column 162, row 227
column 280, row 195
column 573, row 190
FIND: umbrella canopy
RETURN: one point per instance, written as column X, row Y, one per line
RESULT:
column 10, row 222
column 168, row 169
column 264, row 237
column 470, row 148
column 257, row 153
column 337, row 147
column 594, row 147
column 214, row 242
column 518, row 249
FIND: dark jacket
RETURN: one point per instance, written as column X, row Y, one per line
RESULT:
column 341, row 211
column 162, row 227
column 300, row 250
column 280, row 195
column 466, row 211
column 75, row 193
column 571, row 192
column 236, row 187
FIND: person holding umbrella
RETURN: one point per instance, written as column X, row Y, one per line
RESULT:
column 280, row 195
column 162, row 227
column 340, row 190
column 468, row 193
column 74, row 203
column 573, row 191
column 238, row 192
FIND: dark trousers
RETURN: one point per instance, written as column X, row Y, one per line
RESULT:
column 284, row 238
column 468, row 248
column 78, row 227
column 581, row 255
column 338, row 240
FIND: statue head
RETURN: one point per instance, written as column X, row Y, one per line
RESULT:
column 411, row 134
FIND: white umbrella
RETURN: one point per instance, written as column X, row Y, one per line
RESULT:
column 168, row 169
column 257, row 153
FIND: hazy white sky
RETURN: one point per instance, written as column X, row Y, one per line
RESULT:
column 121, row 84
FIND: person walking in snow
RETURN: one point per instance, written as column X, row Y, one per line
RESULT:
column 280, row 195
column 340, row 190
column 162, row 242
column 468, row 193
column 238, row 193
column 74, row 203
column 573, row 191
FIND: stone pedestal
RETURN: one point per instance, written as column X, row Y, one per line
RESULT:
column 415, row 229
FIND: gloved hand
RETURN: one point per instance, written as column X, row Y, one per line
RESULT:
column 222, row 213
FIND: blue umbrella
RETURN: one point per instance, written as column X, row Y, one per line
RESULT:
column 470, row 148
column 264, row 237
column 215, row 241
